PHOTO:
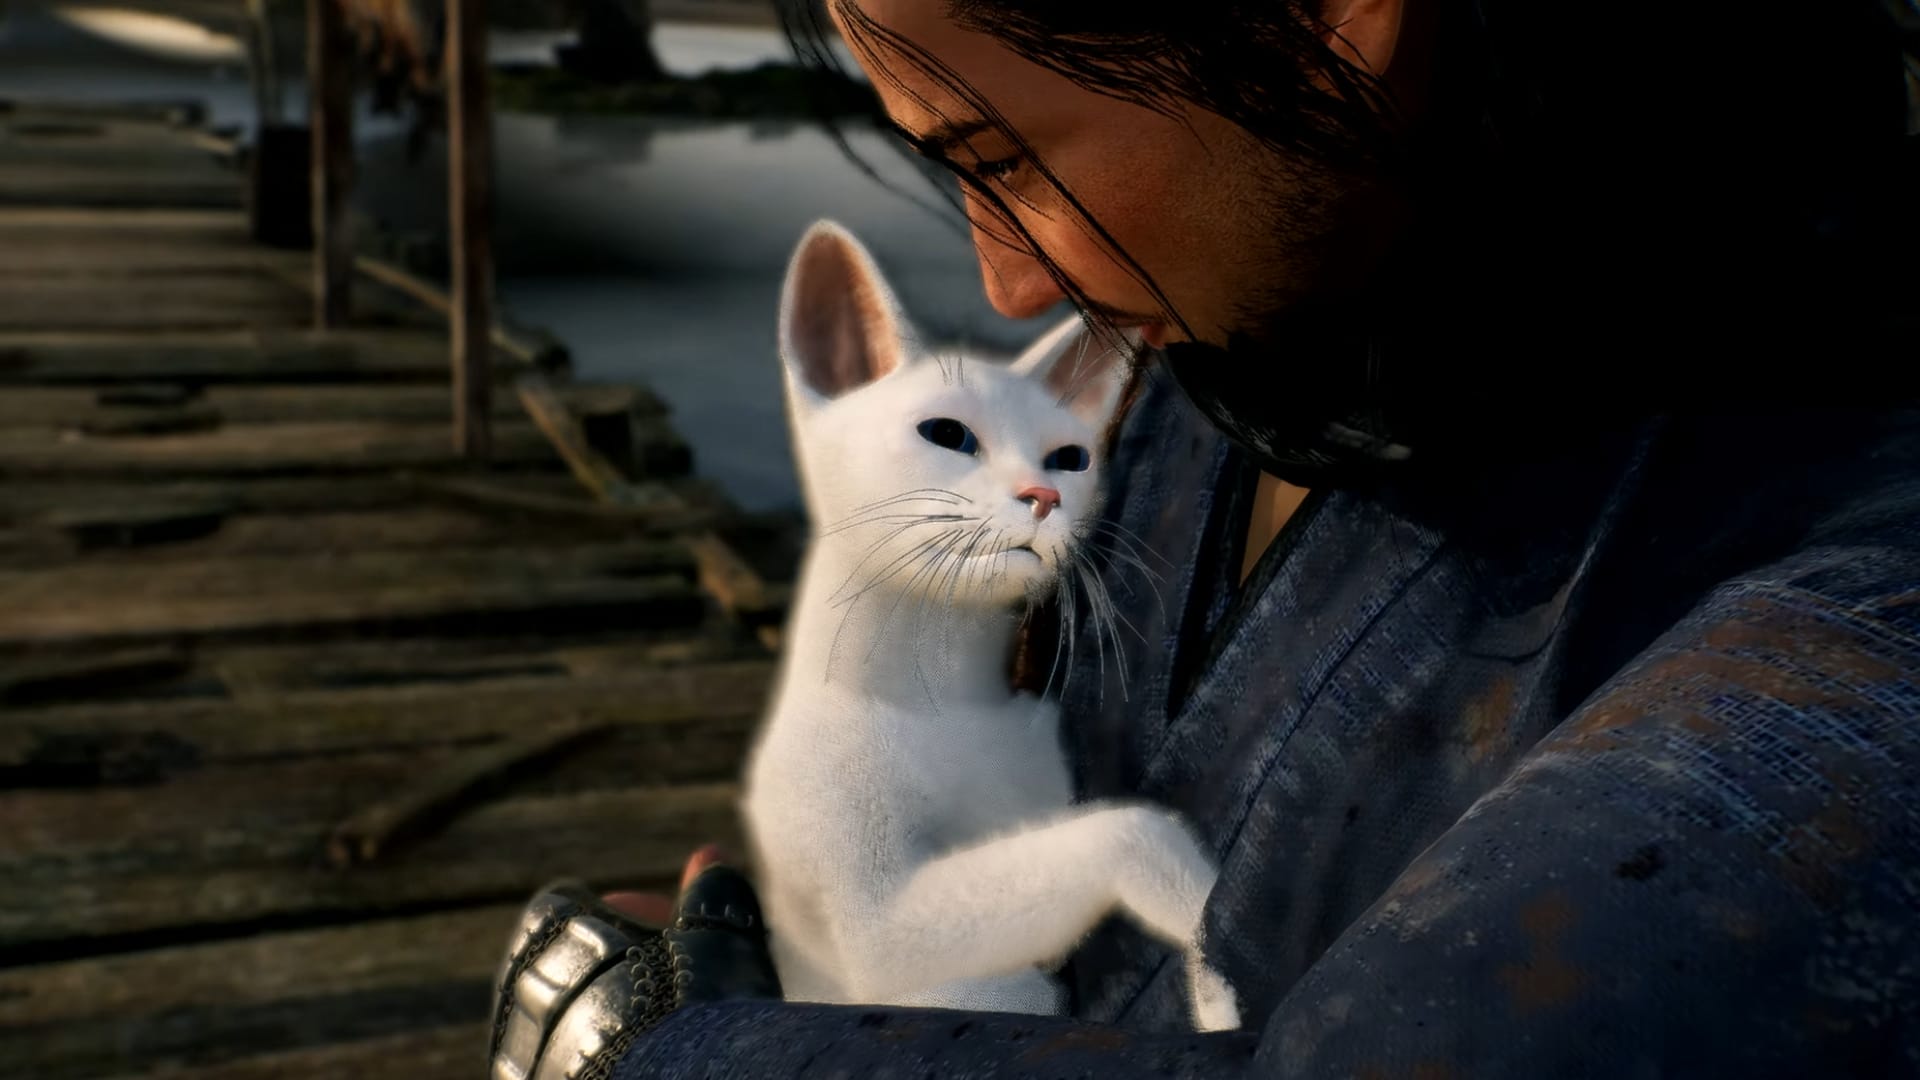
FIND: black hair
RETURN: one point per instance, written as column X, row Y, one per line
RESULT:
column 1268, row 67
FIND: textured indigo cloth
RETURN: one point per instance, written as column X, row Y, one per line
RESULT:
column 1599, row 759
column 1606, row 764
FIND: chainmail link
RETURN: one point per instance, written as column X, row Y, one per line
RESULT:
column 649, row 966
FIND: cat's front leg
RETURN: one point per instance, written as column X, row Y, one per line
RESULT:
column 1168, row 893
column 1214, row 1005
column 1023, row 898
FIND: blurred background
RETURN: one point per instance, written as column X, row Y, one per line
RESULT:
column 340, row 610
column 652, row 245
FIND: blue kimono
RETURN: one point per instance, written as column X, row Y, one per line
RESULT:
column 1596, row 756
column 1605, row 763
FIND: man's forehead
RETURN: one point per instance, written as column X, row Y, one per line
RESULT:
column 918, row 102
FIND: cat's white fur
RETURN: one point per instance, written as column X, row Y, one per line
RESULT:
column 915, row 836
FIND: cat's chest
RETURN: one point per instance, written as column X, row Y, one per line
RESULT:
column 978, row 771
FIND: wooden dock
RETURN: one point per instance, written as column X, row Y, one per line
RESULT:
column 296, row 705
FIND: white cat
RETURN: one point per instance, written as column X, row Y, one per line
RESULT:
column 915, row 836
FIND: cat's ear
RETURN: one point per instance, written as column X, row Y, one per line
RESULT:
column 1085, row 373
column 840, row 327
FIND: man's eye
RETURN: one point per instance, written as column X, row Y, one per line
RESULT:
column 997, row 170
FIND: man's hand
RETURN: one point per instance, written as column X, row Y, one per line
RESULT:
column 656, row 909
column 586, row 974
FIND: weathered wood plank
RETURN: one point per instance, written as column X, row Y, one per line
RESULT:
column 257, row 356
column 160, row 184
column 377, row 832
column 52, row 677
column 258, row 674
column 258, row 449
column 643, row 583
column 455, row 1052
column 83, row 164
column 125, row 146
column 29, row 500
column 105, row 249
column 658, row 507
column 28, row 130
column 563, row 430
column 300, row 448
column 113, row 256
column 172, row 302
column 399, row 998
column 158, row 222
column 237, row 846
column 105, row 533
column 158, row 114
column 333, row 722
column 406, row 951
column 63, row 406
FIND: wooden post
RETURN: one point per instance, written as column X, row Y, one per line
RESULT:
column 330, row 111
column 263, row 65
column 470, row 177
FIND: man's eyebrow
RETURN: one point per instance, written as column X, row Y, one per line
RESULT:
column 942, row 139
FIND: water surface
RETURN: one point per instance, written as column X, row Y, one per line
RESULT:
column 653, row 247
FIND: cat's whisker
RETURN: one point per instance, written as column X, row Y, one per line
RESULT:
column 1105, row 591
column 1133, row 562
column 919, row 640
column 912, row 558
column 893, row 569
column 882, row 519
column 1093, row 614
column 1073, row 634
column 1068, row 626
column 1130, row 552
column 905, row 559
column 1116, row 531
column 883, row 504
column 962, row 570
column 1085, row 370
column 1114, row 620
column 930, row 567
column 953, row 540
column 927, row 583
column 897, row 501
column 962, row 567
column 927, row 493
column 915, row 522
column 873, row 549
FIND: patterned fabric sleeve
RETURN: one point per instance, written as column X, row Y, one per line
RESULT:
column 1711, row 869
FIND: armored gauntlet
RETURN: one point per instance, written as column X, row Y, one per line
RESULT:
column 581, row 980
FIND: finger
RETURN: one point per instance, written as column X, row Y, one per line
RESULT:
column 651, row 908
column 705, row 857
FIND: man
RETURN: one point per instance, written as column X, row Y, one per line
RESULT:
column 1529, row 427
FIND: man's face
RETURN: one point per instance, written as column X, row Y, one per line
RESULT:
column 1228, row 230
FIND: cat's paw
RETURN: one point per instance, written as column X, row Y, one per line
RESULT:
column 1215, row 1006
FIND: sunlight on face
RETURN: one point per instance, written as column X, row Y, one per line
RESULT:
column 1181, row 196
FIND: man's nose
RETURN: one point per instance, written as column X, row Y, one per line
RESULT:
column 1017, row 284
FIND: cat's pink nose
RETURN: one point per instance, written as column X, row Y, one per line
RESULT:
column 1044, row 500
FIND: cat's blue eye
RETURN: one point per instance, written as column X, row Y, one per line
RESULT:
column 1068, row 459
column 949, row 434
